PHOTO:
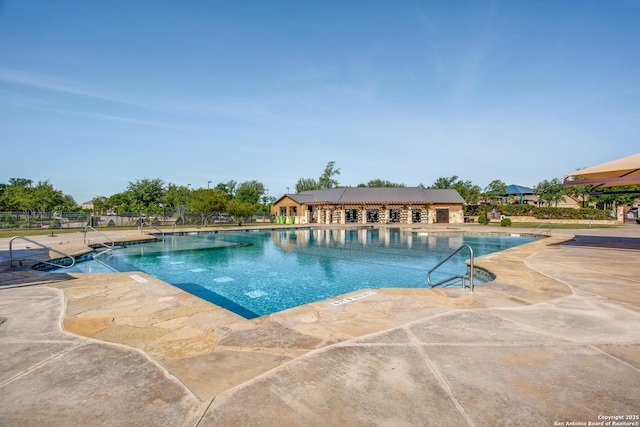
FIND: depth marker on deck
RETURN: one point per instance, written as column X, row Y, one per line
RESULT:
column 138, row 278
column 353, row 298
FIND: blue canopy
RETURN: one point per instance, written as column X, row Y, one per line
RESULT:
column 518, row 189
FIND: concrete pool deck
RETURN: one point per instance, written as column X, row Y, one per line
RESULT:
column 554, row 339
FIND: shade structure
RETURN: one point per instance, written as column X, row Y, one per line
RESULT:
column 518, row 190
column 616, row 173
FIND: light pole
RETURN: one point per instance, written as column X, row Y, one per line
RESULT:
column 287, row 190
column 208, row 182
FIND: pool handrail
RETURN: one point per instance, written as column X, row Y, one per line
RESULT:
column 42, row 245
column 548, row 228
column 141, row 227
column 108, row 248
column 99, row 232
column 464, row 277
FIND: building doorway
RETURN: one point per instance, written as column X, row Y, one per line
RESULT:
column 311, row 218
column 442, row 216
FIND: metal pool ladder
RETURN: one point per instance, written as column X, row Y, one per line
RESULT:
column 464, row 277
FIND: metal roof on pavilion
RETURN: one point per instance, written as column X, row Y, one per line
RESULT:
column 518, row 190
column 379, row 195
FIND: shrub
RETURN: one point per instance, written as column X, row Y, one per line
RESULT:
column 475, row 210
column 537, row 212
column 55, row 223
column 482, row 219
column 520, row 210
column 505, row 222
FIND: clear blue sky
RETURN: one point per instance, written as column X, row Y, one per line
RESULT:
column 97, row 94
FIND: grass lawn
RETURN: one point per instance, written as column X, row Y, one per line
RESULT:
column 496, row 223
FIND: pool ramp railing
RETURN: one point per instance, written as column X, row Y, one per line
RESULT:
column 109, row 239
column 545, row 226
column 97, row 244
column 146, row 224
column 42, row 245
column 463, row 277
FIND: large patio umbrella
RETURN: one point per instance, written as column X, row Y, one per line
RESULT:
column 624, row 171
column 518, row 190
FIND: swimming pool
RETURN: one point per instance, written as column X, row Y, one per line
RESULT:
column 255, row 273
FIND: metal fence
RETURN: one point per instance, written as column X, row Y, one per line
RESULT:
column 59, row 220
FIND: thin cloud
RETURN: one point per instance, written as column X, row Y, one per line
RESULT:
column 44, row 82
column 123, row 119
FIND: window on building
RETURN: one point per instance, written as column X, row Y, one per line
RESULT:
column 394, row 215
column 372, row 215
column 351, row 215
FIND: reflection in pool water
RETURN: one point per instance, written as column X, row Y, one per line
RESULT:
column 261, row 272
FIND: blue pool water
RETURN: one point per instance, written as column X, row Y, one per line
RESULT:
column 261, row 272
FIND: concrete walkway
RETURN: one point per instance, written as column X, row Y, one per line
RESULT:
column 554, row 339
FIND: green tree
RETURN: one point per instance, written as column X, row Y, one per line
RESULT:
column 579, row 193
column 250, row 192
column 68, row 204
column 376, row 183
column 467, row 190
column 550, row 191
column 327, row 179
column 3, row 189
column 495, row 190
column 45, row 198
column 240, row 209
column 20, row 182
column 101, row 204
column 118, row 202
column 444, row 183
column 145, row 194
column 306, row 184
column 176, row 197
column 610, row 197
column 21, row 194
column 207, row 202
column 227, row 187
column 16, row 194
